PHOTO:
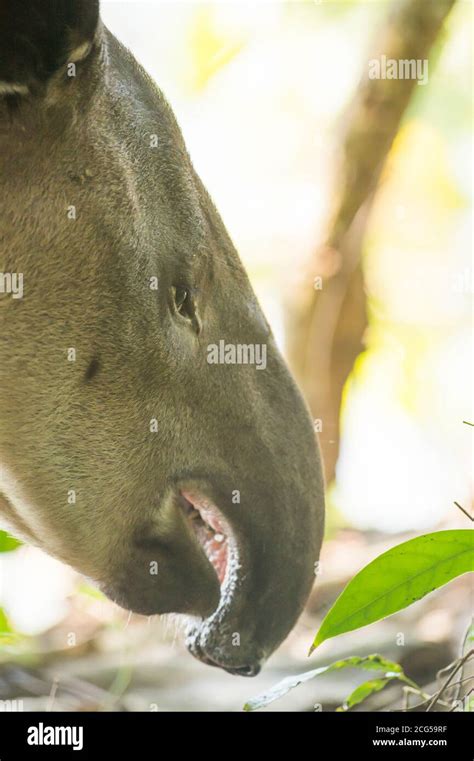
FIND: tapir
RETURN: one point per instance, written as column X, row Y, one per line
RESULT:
column 174, row 484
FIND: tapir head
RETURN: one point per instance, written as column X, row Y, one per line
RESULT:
column 151, row 435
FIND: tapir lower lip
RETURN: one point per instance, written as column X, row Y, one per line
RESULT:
column 220, row 656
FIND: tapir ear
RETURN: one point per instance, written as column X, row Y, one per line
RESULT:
column 37, row 37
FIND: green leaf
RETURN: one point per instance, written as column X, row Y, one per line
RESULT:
column 372, row 662
column 7, row 542
column 398, row 578
column 7, row 634
column 5, row 627
column 365, row 690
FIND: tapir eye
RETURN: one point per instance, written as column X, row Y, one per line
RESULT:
column 182, row 300
column 184, row 304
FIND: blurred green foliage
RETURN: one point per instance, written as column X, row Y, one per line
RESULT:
column 7, row 542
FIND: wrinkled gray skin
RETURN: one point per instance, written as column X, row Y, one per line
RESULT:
column 141, row 212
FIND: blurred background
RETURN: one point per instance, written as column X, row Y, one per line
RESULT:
column 349, row 200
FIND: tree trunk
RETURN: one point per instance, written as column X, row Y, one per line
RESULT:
column 327, row 323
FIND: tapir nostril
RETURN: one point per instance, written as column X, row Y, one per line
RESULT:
column 251, row 670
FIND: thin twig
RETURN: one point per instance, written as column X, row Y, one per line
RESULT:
column 464, row 646
column 448, row 668
column 411, row 691
column 448, row 681
column 52, row 694
column 420, row 705
column 464, row 511
column 464, row 698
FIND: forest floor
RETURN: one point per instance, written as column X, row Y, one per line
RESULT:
column 141, row 664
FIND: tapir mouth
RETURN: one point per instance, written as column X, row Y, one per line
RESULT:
column 215, row 535
column 211, row 530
